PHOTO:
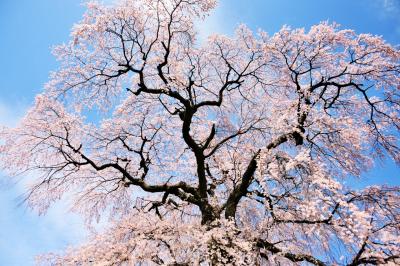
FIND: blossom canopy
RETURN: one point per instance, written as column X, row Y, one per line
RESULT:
column 229, row 152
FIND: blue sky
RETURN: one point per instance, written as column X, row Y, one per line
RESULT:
column 29, row 28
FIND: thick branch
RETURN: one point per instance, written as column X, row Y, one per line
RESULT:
column 290, row 256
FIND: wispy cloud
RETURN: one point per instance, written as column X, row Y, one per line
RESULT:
column 24, row 234
column 390, row 10
column 11, row 114
column 391, row 7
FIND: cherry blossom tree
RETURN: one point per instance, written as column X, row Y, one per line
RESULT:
column 229, row 152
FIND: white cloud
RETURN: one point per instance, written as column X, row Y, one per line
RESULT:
column 390, row 10
column 391, row 6
column 11, row 114
column 23, row 233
